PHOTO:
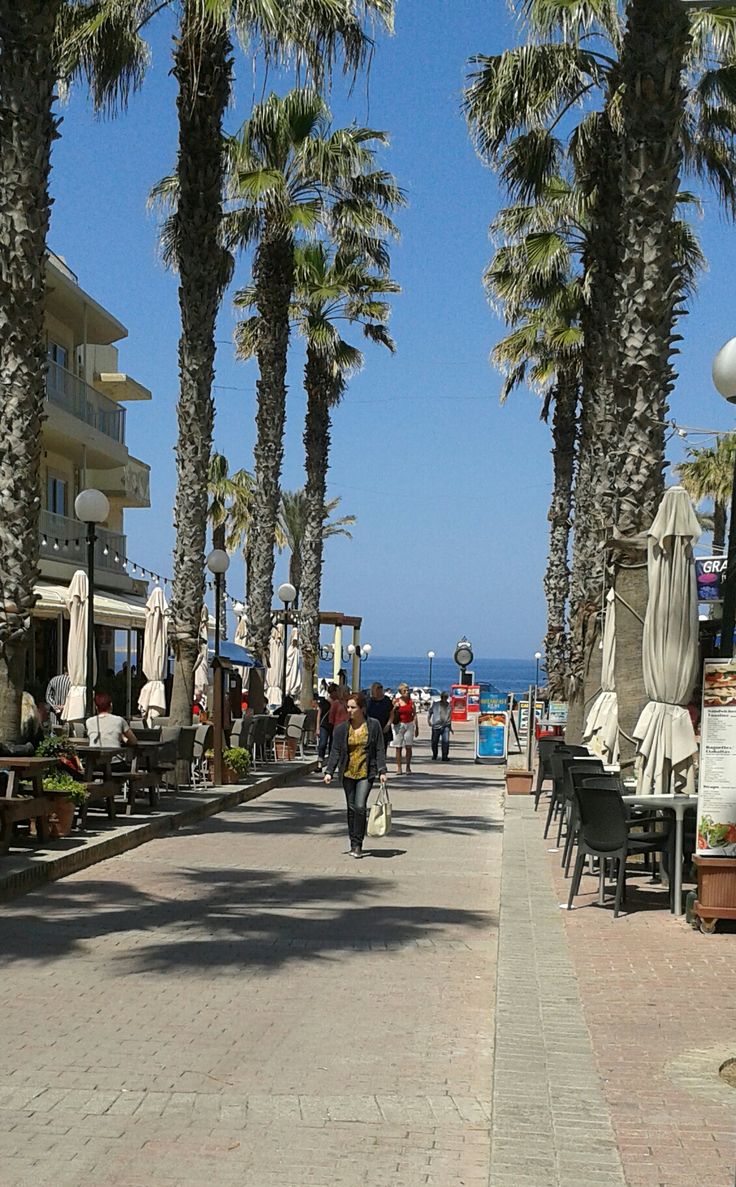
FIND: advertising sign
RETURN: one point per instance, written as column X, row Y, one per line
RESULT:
column 473, row 698
column 557, row 713
column 717, row 782
column 523, row 714
column 459, row 702
column 492, row 702
column 710, row 573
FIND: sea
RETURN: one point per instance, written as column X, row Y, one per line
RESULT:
column 507, row 675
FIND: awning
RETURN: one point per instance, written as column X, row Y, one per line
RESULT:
column 124, row 611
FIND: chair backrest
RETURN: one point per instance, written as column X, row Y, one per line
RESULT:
column 170, row 733
column 147, row 735
column 545, row 749
column 79, row 729
column 271, row 728
column 576, row 772
column 295, row 725
column 236, row 731
column 605, row 780
column 602, row 816
column 247, row 733
column 310, row 721
column 202, row 740
column 562, row 759
column 185, row 743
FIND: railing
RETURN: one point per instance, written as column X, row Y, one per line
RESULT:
column 77, row 397
column 64, row 539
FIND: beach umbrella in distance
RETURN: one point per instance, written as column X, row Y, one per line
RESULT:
column 152, row 697
column 241, row 630
column 77, row 601
column 664, row 731
column 201, row 674
column 275, row 667
column 293, row 666
column 601, row 726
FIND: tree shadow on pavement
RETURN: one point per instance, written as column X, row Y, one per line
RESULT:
column 243, row 921
column 306, row 817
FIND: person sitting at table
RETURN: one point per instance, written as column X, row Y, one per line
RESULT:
column 106, row 729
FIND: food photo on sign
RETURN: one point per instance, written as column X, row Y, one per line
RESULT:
column 717, row 782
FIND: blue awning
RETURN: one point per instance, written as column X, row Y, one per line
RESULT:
column 237, row 656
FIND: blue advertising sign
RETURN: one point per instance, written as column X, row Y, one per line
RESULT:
column 492, row 735
column 710, row 574
column 492, row 701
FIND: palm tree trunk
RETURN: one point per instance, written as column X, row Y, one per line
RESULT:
column 219, row 536
column 317, row 382
column 719, row 526
column 27, row 130
column 557, row 576
column 202, row 63
column 632, row 591
column 273, row 274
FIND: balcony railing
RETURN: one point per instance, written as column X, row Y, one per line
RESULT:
column 77, row 397
column 64, row 539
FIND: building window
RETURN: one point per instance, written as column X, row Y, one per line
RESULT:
column 56, row 495
column 58, row 354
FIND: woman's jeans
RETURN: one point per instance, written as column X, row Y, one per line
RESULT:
column 356, row 795
column 441, row 733
column 325, row 737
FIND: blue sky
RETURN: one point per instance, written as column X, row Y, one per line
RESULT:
column 450, row 489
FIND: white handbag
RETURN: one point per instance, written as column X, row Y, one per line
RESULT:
column 379, row 815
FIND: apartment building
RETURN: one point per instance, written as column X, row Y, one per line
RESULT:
column 84, row 445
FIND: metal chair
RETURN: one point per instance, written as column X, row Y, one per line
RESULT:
column 294, row 731
column 545, row 749
column 558, row 776
column 203, row 741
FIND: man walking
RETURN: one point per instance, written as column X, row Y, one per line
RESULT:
column 380, row 707
column 440, row 719
column 57, row 691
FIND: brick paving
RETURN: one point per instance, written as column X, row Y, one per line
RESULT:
column 242, row 1003
column 660, row 1006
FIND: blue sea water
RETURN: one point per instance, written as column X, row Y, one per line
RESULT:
column 508, row 675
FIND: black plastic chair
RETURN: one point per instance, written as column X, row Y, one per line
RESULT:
column 575, row 773
column 557, row 800
column 545, row 749
column 605, row 833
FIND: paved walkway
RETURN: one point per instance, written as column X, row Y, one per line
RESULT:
column 241, row 1003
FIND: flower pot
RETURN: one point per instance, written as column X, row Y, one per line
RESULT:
column 285, row 749
column 62, row 817
column 519, row 782
column 716, row 890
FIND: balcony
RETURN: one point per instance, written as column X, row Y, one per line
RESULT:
column 64, row 540
column 75, row 396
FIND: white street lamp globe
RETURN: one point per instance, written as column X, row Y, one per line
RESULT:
column 91, row 506
column 366, row 649
column 218, row 561
column 286, row 592
column 724, row 370
column 537, row 655
column 351, row 649
column 239, row 609
column 430, row 655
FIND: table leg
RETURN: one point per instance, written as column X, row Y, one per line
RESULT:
column 679, row 834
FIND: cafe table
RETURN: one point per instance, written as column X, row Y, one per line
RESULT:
column 142, row 756
column 679, row 805
column 26, row 769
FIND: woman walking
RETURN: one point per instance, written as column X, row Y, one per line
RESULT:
column 358, row 755
column 405, row 727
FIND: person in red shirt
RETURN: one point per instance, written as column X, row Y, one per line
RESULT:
column 405, row 727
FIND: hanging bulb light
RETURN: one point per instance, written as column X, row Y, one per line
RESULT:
column 105, row 550
column 56, row 545
column 44, row 542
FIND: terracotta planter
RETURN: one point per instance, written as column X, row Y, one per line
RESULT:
column 716, row 890
column 285, row 749
column 62, row 817
column 519, row 782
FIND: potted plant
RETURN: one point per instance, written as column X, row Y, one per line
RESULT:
column 236, row 763
column 68, row 795
column 519, row 782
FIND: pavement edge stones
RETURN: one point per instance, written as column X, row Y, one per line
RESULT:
column 551, row 1125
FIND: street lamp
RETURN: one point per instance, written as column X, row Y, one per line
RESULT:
column 286, row 594
column 430, row 657
column 359, row 651
column 537, row 656
column 724, row 378
column 92, row 507
column 463, row 656
column 218, row 563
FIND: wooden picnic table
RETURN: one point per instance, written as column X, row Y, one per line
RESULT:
column 14, row 806
column 141, row 777
column 26, row 769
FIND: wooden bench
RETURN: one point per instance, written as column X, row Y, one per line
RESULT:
column 138, row 783
column 99, row 792
column 23, row 807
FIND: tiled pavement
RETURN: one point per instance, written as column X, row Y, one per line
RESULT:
column 242, row 1003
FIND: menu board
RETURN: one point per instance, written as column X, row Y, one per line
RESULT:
column 717, row 779
column 492, row 726
column 557, row 713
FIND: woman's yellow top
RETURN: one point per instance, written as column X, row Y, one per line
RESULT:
column 357, row 767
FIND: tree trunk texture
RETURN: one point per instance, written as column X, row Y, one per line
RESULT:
column 27, row 130
column 719, row 527
column 599, row 430
column 273, row 275
column 318, row 385
column 632, row 591
column 648, row 284
column 557, row 576
column 202, row 66
column 219, row 535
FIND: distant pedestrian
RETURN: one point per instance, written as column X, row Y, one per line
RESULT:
column 380, row 707
column 57, row 691
column 440, row 721
column 405, row 727
column 324, row 729
column 358, row 754
column 338, row 705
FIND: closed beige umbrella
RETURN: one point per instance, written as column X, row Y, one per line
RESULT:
column 293, row 666
column 201, row 669
column 241, row 630
column 77, row 601
column 152, row 697
column 275, row 668
column 601, row 726
column 664, row 730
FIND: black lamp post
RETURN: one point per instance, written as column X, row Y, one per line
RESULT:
column 724, row 378
column 537, row 657
column 430, row 657
column 463, row 656
column 286, row 594
column 218, row 563
column 92, row 507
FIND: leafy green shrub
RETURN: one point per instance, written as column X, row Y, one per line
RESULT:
column 57, row 781
column 55, row 745
column 238, row 759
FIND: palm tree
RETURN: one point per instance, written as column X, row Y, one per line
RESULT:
column 330, row 286
column 709, row 475
column 230, row 498
column 290, row 174
column 313, row 32
column 293, row 520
